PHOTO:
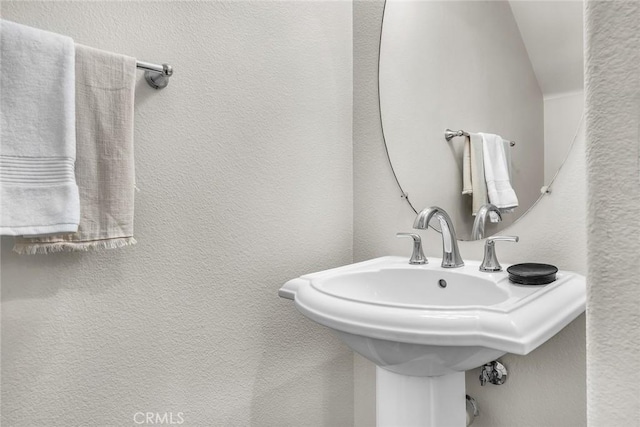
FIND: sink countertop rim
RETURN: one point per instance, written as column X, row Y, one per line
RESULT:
column 468, row 325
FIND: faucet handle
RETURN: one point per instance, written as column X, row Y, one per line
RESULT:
column 490, row 262
column 417, row 257
column 503, row 239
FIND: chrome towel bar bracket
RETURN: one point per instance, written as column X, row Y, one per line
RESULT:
column 156, row 75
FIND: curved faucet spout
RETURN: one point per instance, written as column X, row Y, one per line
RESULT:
column 477, row 232
column 450, row 253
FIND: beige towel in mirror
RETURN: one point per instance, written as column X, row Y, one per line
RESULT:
column 467, row 186
column 477, row 173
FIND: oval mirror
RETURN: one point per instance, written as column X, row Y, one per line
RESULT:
column 507, row 68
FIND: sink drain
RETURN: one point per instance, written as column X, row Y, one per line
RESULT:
column 442, row 283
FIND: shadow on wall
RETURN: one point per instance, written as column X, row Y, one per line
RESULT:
column 53, row 272
column 279, row 398
column 144, row 92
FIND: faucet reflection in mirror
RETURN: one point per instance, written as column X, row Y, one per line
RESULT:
column 477, row 232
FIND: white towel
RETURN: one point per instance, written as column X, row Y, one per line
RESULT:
column 105, row 88
column 38, row 192
column 496, row 171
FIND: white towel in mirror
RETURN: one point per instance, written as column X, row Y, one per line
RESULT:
column 496, row 170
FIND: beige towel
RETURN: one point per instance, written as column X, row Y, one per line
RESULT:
column 467, row 185
column 105, row 85
column 477, row 173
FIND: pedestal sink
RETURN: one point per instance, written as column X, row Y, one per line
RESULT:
column 424, row 325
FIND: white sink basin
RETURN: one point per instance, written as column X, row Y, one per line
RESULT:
column 401, row 318
column 413, row 288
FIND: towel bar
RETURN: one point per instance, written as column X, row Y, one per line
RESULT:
column 450, row 134
column 156, row 75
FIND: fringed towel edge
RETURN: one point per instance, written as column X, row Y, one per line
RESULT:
column 55, row 247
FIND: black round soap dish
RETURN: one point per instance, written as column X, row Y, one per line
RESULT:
column 532, row 274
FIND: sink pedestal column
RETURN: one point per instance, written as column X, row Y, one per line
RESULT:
column 408, row 401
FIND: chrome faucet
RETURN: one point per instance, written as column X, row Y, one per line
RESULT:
column 477, row 232
column 450, row 253
column 490, row 262
column 417, row 256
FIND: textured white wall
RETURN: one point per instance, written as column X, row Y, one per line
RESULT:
column 244, row 163
column 546, row 387
column 612, row 87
